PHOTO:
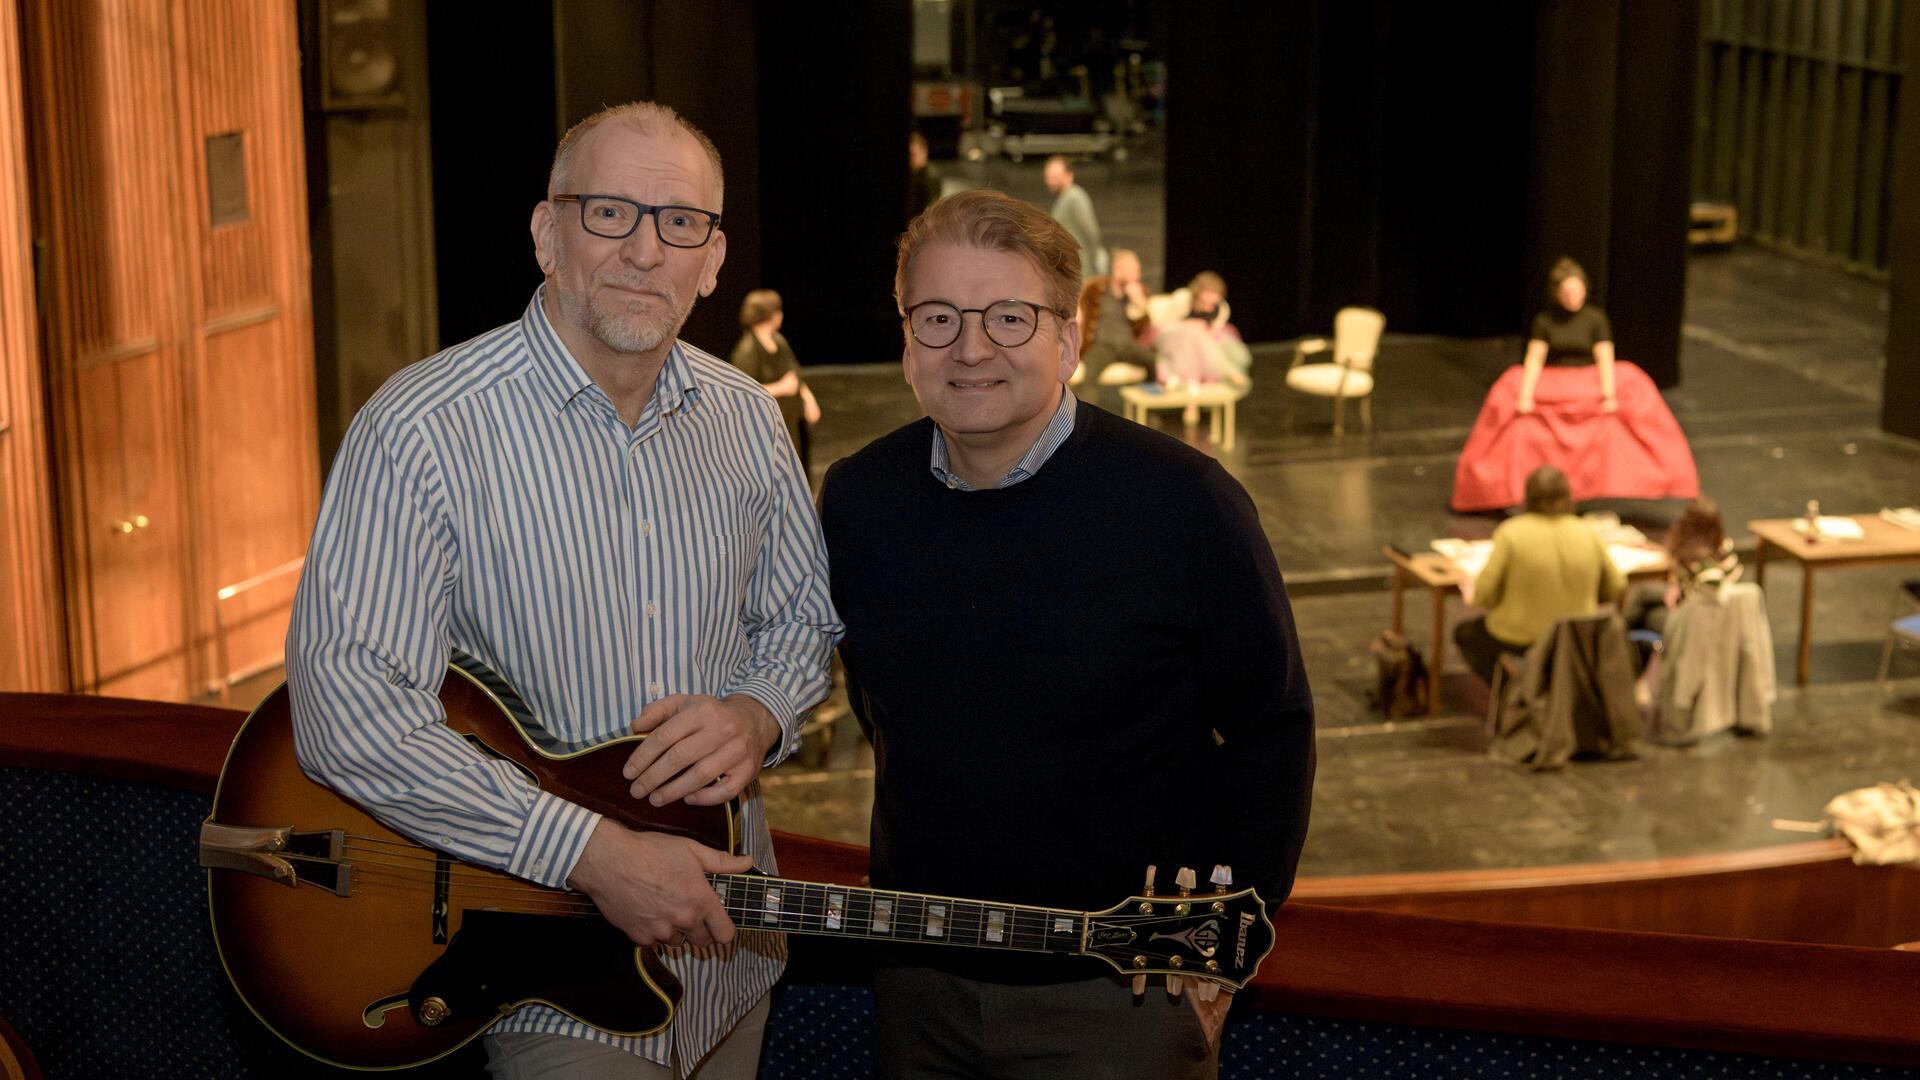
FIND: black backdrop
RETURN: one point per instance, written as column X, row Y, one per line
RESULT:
column 1433, row 159
column 1429, row 159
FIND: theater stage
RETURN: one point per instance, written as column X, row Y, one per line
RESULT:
column 1780, row 362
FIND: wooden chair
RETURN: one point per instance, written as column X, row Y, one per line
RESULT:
column 1356, row 341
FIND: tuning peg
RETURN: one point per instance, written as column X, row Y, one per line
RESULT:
column 1222, row 877
column 1206, row 991
column 1147, row 889
column 1185, row 879
column 1139, row 986
column 1175, row 984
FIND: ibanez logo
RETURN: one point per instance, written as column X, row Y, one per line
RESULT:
column 1240, row 948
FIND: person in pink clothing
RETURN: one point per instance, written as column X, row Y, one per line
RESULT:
column 1572, row 404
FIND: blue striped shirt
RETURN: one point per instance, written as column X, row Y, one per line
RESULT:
column 489, row 500
column 1043, row 447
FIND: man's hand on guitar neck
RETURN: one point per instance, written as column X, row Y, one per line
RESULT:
column 654, row 887
column 702, row 749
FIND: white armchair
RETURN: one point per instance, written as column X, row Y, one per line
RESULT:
column 1349, row 374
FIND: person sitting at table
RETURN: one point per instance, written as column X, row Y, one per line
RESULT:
column 1546, row 565
column 1701, row 556
column 1570, row 403
column 1195, row 344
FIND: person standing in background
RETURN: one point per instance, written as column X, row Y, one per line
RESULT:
column 1073, row 209
column 765, row 356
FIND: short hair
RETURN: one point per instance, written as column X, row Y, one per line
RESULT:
column 1064, row 161
column 648, row 117
column 759, row 306
column 1207, row 280
column 1563, row 269
column 1548, row 492
column 1698, row 534
column 996, row 222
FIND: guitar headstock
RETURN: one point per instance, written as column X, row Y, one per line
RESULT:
column 1218, row 937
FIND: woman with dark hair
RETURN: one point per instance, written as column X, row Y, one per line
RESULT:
column 1570, row 403
column 765, row 356
column 1701, row 554
column 1546, row 565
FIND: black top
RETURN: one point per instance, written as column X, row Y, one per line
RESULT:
column 1571, row 335
column 1042, row 703
column 769, row 367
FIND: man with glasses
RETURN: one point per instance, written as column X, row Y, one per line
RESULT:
column 1047, row 724
column 614, row 523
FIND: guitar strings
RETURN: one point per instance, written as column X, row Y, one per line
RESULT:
column 814, row 903
column 417, row 867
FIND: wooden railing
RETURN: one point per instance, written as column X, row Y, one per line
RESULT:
column 1763, row 997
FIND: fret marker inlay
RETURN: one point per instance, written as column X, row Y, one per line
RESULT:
column 936, row 920
column 772, row 906
column 1062, row 925
column 836, row 909
column 883, row 916
column 996, row 926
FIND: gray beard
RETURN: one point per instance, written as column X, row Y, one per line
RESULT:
column 623, row 333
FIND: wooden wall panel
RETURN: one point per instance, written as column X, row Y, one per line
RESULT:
column 101, row 88
column 30, row 619
column 129, row 494
column 255, row 423
column 180, row 348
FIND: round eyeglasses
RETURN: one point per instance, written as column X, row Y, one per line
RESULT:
column 615, row 218
column 1008, row 323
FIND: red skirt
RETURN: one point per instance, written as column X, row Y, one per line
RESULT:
column 1638, row 452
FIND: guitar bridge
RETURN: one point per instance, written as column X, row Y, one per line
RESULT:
column 278, row 854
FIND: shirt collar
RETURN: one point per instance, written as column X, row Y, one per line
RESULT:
column 562, row 379
column 1042, row 449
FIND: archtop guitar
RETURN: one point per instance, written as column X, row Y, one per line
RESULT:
column 364, row 949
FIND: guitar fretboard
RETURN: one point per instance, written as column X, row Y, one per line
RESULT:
column 807, row 907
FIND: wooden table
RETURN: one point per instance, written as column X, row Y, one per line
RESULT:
column 1219, row 398
column 1442, row 580
column 1885, row 544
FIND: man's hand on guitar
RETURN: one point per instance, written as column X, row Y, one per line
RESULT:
column 702, row 749
column 654, row 886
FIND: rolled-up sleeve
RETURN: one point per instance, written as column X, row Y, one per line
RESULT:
column 788, row 613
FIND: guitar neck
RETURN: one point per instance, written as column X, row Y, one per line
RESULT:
column 757, row 902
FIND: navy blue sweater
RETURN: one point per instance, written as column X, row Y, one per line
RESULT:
column 1043, row 670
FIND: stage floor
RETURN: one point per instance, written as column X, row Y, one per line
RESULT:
column 1780, row 400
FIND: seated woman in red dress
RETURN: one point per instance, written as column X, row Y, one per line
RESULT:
column 1570, row 404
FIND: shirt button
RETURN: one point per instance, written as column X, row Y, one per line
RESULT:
column 952, row 482
column 651, row 610
column 653, row 689
column 538, row 865
column 646, row 528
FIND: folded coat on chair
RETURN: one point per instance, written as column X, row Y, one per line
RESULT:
column 1574, row 695
column 1717, row 665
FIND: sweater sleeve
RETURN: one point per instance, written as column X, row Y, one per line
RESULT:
column 1255, row 687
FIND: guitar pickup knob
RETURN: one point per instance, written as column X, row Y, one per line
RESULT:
column 434, row 1011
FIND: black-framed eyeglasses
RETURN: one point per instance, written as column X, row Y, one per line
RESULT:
column 1008, row 323
column 615, row 218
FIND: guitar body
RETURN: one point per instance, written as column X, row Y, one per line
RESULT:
column 348, row 979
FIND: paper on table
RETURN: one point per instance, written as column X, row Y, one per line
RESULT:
column 1833, row 528
column 1907, row 517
